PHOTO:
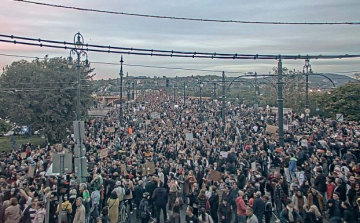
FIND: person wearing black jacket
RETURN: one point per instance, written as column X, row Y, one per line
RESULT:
column 320, row 182
column 193, row 196
column 138, row 195
column 150, row 188
column 241, row 179
column 340, row 188
column 225, row 212
column 160, row 199
column 214, row 204
column 258, row 206
column 335, row 210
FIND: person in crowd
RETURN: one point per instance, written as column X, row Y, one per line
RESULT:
column 335, row 210
column 13, row 212
column 225, row 212
column 160, row 199
column 80, row 211
column 144, row 208
column 113, row 207
column 241, row 208
column 258, row 206
column 251, row 218
column 289, row 214
column 315, row 198
column 190, row 217
column 204, row 217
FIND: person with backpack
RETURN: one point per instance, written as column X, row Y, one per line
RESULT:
column 144, row 208
column 160, row 198
column 268, row 208
column 204, row 217
column 113, row 207
column 66, row 210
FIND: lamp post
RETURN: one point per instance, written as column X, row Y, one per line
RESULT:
column 214, row 91
column 184, row 92
column 306, row 70
column 223, row 100
column 127, row 90
column 201, row 86
column 133, row 90
column 80, row 165
column 78, row 51
column 121, row 91
column 280, row 103
column 174, row 94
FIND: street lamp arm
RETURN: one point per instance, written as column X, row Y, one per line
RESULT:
column 247, row 75
column 323, row 75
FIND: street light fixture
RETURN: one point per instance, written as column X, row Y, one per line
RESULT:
column 121, row 89
column 201, row 86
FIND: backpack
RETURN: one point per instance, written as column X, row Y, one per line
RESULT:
column 65, row 215
column 144, row 208
column 127, row 191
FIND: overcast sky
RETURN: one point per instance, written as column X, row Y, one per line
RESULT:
column 28, row 20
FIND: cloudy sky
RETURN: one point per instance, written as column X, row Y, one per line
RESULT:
column 28, row 20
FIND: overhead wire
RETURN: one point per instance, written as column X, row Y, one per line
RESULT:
column 178, row 68
column 163, row 53
column 186, row 18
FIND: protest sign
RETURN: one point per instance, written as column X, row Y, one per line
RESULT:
column 215, row 175
column 31, row 171
column 224, row 154
column 23, row 155
column 150, row 167
column 271, row 129
column 104, row 153
column 189, row 136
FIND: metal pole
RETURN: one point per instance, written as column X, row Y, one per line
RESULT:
column 223, row 100
column 280, row 104
column 306, row 67
column 133, row 90
column 121, row 91
column 256, row 89
column 78, row 118
column 184, row 92
column 214, row 93
column 174, row 94
column 127, row 90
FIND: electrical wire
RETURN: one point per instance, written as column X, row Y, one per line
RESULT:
column 165, row 53
column 187, row 18
column 182, row 68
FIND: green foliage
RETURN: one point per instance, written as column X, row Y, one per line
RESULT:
column 42, row 95
column 293, row 91
column 344, row 100
column 5, row 142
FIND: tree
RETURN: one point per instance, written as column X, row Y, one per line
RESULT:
column 293, row 90
column 42, row 94
column 344, row 100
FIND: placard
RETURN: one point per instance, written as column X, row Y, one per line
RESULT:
column 150, row 167
column 23, row 155
column 157, row 128
column 104, row 153
column 31, row 171
column 215, row 175
column 110, row 129
column 154, row 115
column 271, row 129
column 224, row 154
column 189, row 136
column 147, row 122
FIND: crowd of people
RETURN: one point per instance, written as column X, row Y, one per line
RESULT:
column 175, row 162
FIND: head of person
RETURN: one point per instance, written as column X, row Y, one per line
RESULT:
column 189, row 210
column 14, row 201
column 258, row 194
column 224, row 201
column 113, row 195
column 240, row 194
column 249, row 211
column 79, row 201
column 146, row 195
column 173, row 188
column 313, row 190
column 290, row 204
column 336, row 196
column 345, row 205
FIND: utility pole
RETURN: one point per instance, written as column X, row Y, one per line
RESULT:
column 280, row 103
column 214, row 91
column 306, row 69
column 127, row 90
column 184, row 92
column 133, row 90
column 223, row 100
column 256, row 92
column 121, row 92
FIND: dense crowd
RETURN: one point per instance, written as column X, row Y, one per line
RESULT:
column 167, row 159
